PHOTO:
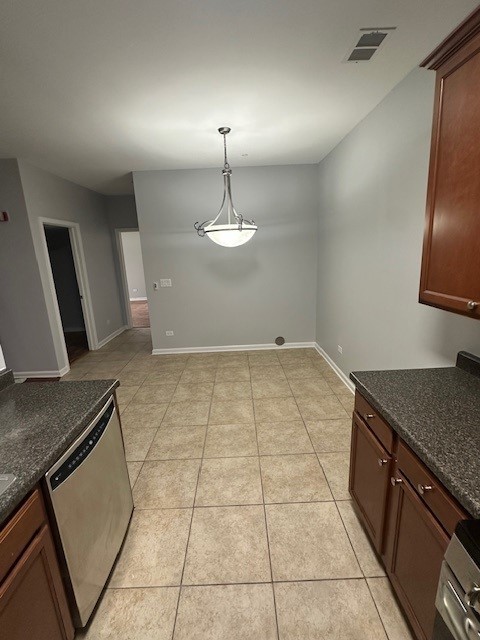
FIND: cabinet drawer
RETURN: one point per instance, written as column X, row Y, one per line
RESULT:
column 19, row 530
column 379, row 427
column 426, row 485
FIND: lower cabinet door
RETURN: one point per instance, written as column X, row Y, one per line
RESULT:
column 415, row 548
column 32, row 601
column 369, row 479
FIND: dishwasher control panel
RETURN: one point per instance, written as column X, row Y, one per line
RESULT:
column 83, row 450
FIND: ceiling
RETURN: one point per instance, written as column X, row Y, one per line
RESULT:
column 94, row 89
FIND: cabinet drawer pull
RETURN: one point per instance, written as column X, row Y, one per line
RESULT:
column 423, row 488
column 368, row 416
column 472, row 305
column 382, row 461
column 395, row 481
column 471, row 598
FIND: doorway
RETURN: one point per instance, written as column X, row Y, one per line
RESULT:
column 67, row 291
column 131, row 262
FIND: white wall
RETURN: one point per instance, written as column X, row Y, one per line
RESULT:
column 49, row 196
column 132, row 254
column 246, row 295
column 24, row 324
column 372, row 204
column 2, row 360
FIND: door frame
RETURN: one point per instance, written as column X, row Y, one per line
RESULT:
column 123, row 273
column 82, row 281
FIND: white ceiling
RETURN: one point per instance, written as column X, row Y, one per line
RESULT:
column 93, row 89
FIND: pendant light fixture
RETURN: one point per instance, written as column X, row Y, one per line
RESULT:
column 236, row 230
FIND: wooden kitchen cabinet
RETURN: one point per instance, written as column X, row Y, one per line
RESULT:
column 415, row 546
column 369, row 479
column 32, row 597
column 407, row 513
column 450, row 275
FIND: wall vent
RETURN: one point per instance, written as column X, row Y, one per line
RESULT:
column 367, row 43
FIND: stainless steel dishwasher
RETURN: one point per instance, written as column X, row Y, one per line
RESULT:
column 91, row 501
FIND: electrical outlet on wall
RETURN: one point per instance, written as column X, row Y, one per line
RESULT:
column 340, row 350
column 169, row 333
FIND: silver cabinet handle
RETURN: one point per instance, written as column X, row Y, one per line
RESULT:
column 471, row 598
column 472, row 305
column 423, row 488
column 382, row 461
column 369, row 416
column 395, row 481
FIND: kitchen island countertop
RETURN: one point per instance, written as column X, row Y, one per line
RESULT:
column 38, row 422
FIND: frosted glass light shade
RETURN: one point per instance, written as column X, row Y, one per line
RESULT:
column 229, row 235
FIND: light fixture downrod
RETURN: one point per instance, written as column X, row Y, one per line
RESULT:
column 231, row 234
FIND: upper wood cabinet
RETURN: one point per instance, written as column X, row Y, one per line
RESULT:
column 450, row 276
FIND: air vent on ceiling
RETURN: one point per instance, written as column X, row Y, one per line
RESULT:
column 361, row 55
column 367, row 43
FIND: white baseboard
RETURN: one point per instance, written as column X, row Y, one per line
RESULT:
column 345, row 379
column 113, row 335
column 233, row 347
column 138, row 299
column 56, row 373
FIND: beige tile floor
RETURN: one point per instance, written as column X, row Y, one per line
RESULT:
column 243, row 528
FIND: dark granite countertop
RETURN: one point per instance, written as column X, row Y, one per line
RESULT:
column 437, row 413
column 38, row 422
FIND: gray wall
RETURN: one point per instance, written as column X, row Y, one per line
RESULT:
column 24, row 325
column 372, row 204
column 52, row 197
column 246, row 295
column 132, row 253
column 121, row 214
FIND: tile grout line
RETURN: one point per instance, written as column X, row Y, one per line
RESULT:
column 198, row 585
column 232, row 457
column 328, row 484
column 338, row 511
column 265, row 518
column 191, row 520
column 128, row 403
column 364, row 577
column 244, row 504
column 377, row 609
column 191, row 517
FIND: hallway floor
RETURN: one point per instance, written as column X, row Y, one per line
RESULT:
column 243, row 528
column 140, row 313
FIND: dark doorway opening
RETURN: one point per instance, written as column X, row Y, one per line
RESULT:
column 66, row 287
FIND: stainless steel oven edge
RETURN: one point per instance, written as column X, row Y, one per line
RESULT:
column 457, row 600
